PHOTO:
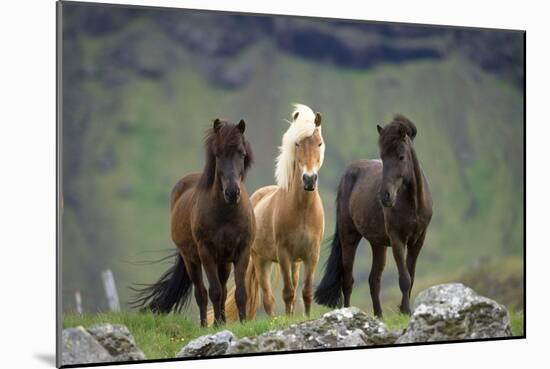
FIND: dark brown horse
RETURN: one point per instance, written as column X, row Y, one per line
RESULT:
column 213, row 227
column 389, row 203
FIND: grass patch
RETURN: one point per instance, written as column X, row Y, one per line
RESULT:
column 162, row 336
column 396, row 321
column 517, row 321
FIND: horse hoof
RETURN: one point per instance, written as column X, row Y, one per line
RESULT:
column 404, row 311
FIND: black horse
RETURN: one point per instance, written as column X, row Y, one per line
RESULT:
column 389, row 203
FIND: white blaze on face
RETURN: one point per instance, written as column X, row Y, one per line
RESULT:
column 311, row 171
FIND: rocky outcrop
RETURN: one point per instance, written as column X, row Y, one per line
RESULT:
column 80, row 347
column 441, row 313
column 345, row 327
column 118, row 340
column 100, row 343
column 455, row 312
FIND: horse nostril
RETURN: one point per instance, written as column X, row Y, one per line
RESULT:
column 304, row 177
column 314, row 178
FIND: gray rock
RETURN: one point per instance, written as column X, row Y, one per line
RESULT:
column 346, row 327
column 80, row 347
column 209, row 345
column 455, row 312
column 262, row 343
column 118, row 340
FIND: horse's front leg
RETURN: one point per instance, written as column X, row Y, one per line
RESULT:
column 201, row 295
column 375, row 276
column 398, row 249
column 295, row 270
column 307, row 291
column 240, row 283
column 214, row 286
column 413, row 250
column 224, row 270
column 288, row 289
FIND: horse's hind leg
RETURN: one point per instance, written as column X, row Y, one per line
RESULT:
column 412, row 254
column 263, row 269
column 201, row 295
column 378, row 264
column 223, row 272
column 349, row 238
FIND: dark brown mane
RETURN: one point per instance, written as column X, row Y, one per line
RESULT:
column 393, row 134
column 227, row 139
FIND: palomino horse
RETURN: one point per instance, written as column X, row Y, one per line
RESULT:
column 389, row 203
column 212, row 226
column 289, row 219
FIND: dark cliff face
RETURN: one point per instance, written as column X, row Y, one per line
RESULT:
column 349, row 44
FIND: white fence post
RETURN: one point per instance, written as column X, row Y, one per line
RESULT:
column 78, row 300
column 110, row 290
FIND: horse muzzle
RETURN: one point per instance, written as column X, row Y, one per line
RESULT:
column 232, row 196
column 386, row 199
column 309, row 181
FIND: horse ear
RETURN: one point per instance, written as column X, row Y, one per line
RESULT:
column 241, row 126
column 379, row 129
column 317, row 119
column 217, row 125
column 295, row 116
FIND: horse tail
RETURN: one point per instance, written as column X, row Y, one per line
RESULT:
column 329, row 291
column 252, row 298
column 170, row 293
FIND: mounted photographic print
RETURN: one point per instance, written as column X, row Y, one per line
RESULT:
column 238, row 184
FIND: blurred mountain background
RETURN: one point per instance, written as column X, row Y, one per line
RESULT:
column 141, row 86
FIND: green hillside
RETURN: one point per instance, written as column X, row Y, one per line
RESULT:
column 128, row 139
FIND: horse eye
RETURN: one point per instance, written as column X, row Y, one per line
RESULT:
column 401, row 158
column 320, row 144
column 297, row 144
